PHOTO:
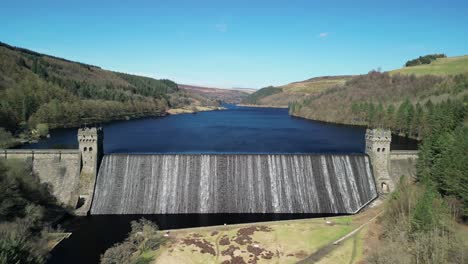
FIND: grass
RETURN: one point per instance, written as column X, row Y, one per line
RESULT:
column 287, row 241
column 283, row 95
column 315, row 85
column 350, row 251
column 442, row 66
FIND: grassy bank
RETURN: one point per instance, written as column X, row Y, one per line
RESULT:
column 278, row 242
column 441, row 66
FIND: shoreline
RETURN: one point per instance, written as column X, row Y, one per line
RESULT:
column 179, row 111
column 172, row 111
column 350, row 124
column 263, row 106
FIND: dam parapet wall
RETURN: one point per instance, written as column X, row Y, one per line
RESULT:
column 403, row 154
column 403, row 163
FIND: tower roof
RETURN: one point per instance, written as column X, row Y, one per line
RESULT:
column 90, row 131
column 378, row 133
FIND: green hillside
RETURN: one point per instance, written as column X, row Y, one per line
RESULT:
column 296, row 91
column 397, row 101
column 283, row 95
column 317, row 84
column 41, row 89
column 255, row 98
column 441, row 66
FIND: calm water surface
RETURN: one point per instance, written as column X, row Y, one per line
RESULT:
column 236, row 130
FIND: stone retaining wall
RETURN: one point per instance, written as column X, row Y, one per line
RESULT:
column 58, row 168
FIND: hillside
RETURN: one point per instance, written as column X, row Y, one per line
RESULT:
column 37, row 89
column 231, row 96
column 441, row 66
column 402, row 102
column 283, row 95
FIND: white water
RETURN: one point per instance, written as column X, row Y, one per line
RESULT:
column 170, row 184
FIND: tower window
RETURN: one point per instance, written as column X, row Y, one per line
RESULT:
column 85, row 149
column 383, row 149
column 90, row 149
column 378, row 149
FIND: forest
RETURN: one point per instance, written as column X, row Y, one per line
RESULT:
column 424, row 59
column 419, row 224
column 45, row 91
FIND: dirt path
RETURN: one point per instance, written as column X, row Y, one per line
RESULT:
column 324, row 251
column 354, row 253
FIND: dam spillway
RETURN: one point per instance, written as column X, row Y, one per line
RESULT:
column 232, row 183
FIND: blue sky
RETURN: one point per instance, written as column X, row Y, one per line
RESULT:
column 239, row 43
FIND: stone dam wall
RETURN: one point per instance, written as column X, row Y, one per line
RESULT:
column 224, row 183
column 58, row 168
column 403, row 163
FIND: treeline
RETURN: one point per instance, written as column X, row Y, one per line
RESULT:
column 39, row 89
column 255, row 98
column 443, row 160
column 424, row 59
column 27, row 208
column 410, row 120
column 365, row 99
column 418, row 226
column 419, row 223
column 37, row 54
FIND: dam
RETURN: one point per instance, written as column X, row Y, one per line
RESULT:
column 242, row 183
column 225, row 167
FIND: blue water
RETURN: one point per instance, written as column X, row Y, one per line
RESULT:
column 235, row 130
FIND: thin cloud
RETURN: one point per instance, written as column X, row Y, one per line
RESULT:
column 221, row 27
column 323, row 35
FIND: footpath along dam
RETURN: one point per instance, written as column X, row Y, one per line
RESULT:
column 217, row 183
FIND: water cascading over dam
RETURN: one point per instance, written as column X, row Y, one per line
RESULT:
column 225, row 183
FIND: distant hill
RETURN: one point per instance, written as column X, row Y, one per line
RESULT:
column 440, row 66
column 400, row 99
column 281, row 96
column 38, row 88
column 245, row 90
column 232, row 96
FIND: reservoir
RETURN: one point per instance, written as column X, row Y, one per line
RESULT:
column 236, row 130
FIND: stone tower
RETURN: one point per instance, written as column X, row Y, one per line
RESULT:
column 90, row 141
column 90, row 144
column 378, row 149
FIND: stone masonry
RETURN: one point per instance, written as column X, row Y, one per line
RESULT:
column 71, row 174
column 388, row 166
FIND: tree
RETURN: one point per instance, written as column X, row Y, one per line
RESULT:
column 42, row 129
column 25, row 204
column 144, row 236
column 390, row 117
column 6, row 139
